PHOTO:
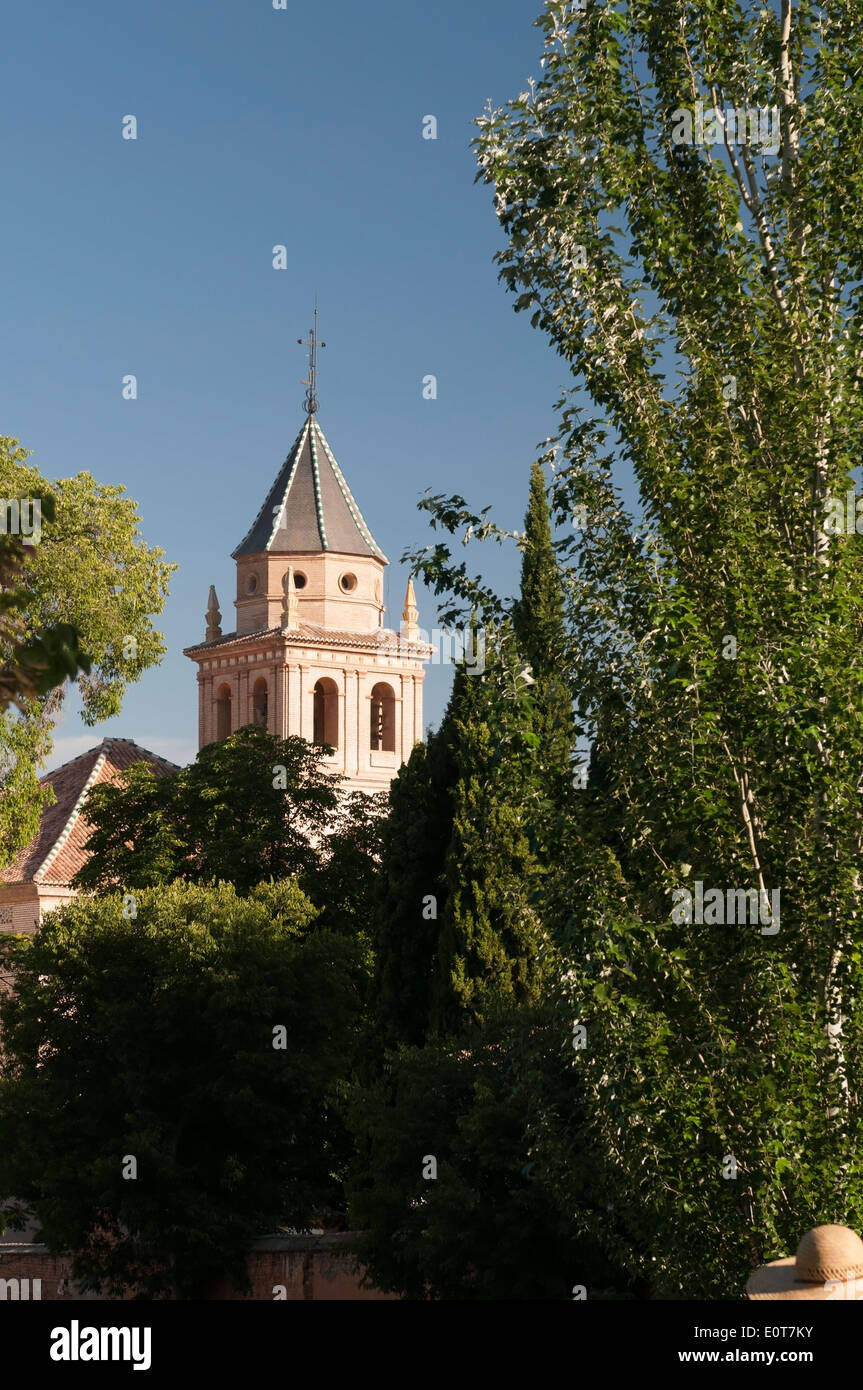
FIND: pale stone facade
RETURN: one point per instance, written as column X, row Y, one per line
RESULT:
column 310, row 656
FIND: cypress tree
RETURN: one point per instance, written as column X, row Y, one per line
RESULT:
column 470, row 818
column 412, row 889
column 488, row 952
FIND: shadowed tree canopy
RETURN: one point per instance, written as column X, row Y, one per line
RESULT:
column 493, row 1110
column 204, row 1037
column 412, row 888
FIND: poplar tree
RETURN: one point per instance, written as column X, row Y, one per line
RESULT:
column 680, row 191
column 540, row 631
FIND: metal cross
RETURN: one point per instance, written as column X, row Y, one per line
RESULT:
column 312, row 344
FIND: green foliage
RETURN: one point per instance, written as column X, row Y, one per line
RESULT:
column 455, row 932
column 92, row 570
column 412, row 888
column 490, row 943
column 152, row 1036
column 35, row 663
column 75, row 604
column 225, row 817
column 715, row 324
column 540, row 632
column 710, row 649
column 343, row 885
column 494, row 1109
column 509, row 734
column 24, row 745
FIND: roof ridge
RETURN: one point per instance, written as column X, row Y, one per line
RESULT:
column 74, row 813
column 294, row 450
column 78, row 756
column 104, row 745
column 316, row 481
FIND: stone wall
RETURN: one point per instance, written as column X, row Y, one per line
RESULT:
column 307, row 1267
column 281, row 1268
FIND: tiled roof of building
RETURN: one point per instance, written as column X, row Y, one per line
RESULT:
column 310, row 634
column 58, row 849
column 309, row 508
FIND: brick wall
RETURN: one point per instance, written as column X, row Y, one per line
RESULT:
column 19, row 907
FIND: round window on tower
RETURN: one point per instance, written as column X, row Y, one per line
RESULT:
column 252, row 584
column 299, row 580
column 348, row 582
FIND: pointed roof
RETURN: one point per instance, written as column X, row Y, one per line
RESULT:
column 310, row 506
column 58, row 849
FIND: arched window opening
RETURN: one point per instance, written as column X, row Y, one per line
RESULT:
column 326, row 721
column 383, row 720
column 223, row 712
column 260, row 703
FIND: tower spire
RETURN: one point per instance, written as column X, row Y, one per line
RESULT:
column 214, row 617
column 410, row 614
column 311, row 401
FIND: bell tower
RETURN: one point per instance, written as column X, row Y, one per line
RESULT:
column 310, row 655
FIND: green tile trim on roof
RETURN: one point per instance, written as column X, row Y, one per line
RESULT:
column 316, row 480
column 348, row 496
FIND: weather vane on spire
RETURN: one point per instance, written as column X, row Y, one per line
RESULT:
column 312, row 344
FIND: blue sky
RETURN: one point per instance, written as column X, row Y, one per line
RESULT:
column 259, row 127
